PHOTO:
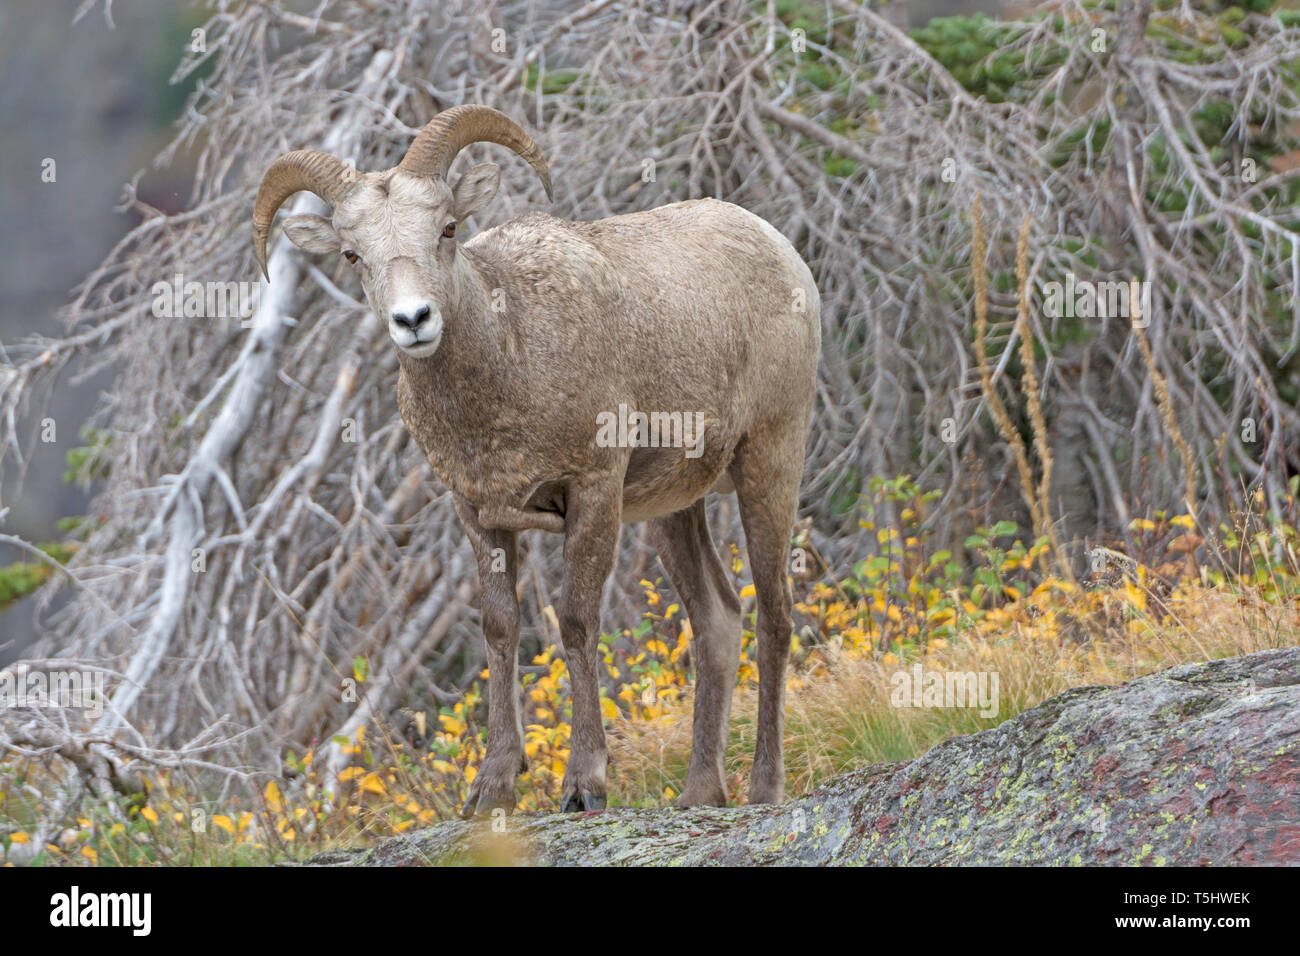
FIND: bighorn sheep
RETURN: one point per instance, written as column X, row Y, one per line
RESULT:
column 513, row 345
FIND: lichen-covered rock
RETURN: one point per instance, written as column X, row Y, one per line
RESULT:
column 1195, row 765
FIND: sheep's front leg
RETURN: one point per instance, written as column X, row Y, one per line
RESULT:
column 592, row 521
column 497, row 555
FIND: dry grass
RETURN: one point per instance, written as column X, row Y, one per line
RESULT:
column 839, row 715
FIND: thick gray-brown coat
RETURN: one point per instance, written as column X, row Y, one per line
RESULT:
column 541, row 326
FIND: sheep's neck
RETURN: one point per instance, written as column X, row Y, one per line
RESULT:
column 467, row 380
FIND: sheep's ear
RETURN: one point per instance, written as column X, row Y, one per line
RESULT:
column 475, row 188
column 311, row 233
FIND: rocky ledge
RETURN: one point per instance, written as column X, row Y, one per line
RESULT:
column 1199, row 764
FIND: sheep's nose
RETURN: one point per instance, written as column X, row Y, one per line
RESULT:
column 411, row 321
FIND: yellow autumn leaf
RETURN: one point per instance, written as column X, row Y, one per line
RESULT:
column 608, row 708
column 19, row 837
column 747, row 591
column 371, row 783
column 150, row 814
column 451, row 725
column 1136, row 596
column 272, row 794
column 223, row 822
column 89, row 853
column 347, row 773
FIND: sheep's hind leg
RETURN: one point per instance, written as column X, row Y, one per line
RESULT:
column 592, row 522
column 496, row 553
column 687, row 553
column 767, row 488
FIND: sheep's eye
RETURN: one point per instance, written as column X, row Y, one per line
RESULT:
column 351, row 256
column 449, row 230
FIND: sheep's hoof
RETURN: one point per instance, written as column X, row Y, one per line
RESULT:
column 487, row 796
column 771, row 792
column 583, row 802
column 483, row 806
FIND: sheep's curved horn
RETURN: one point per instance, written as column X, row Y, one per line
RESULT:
column 452, row 130
column 328, row 177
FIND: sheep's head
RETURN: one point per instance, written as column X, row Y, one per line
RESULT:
column 397, row 227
